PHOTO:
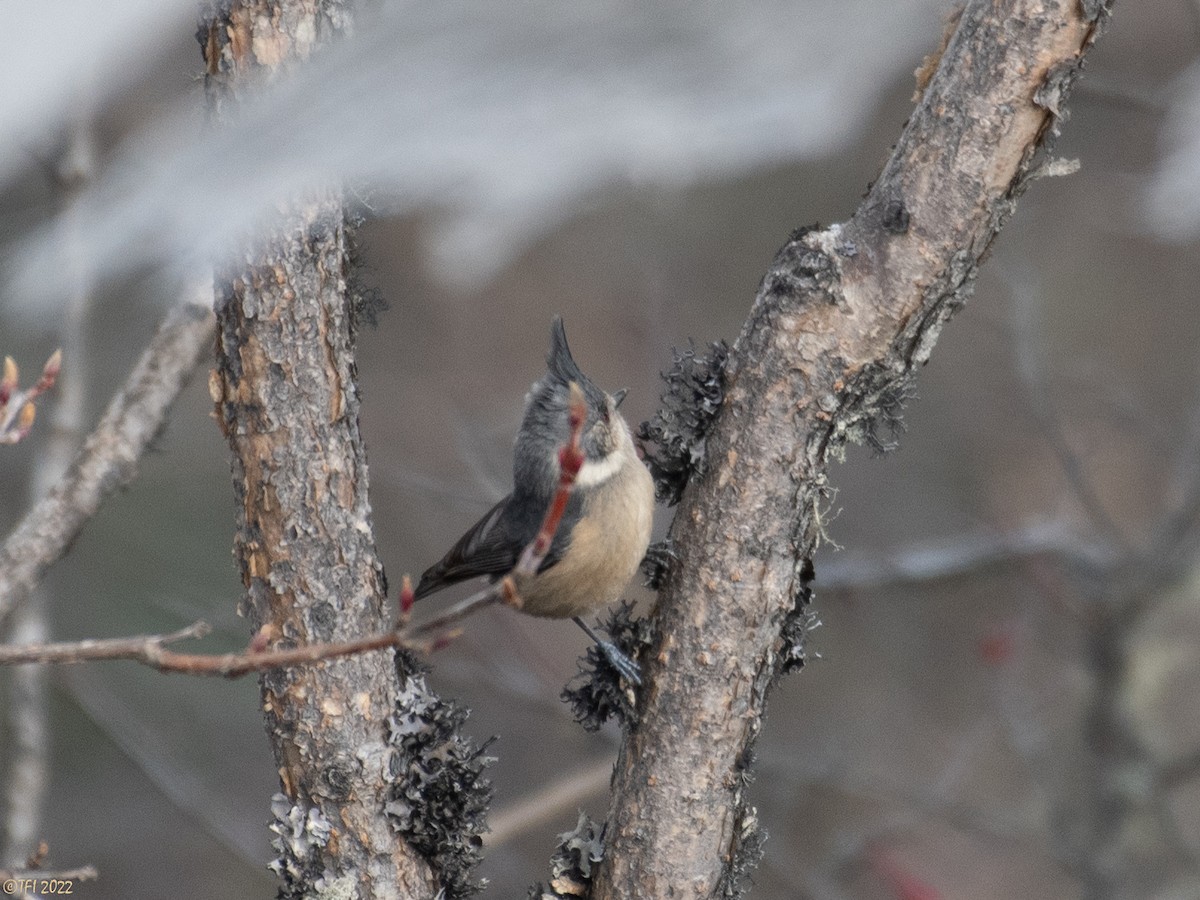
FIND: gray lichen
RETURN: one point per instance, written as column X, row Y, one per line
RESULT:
column 573, row 862
column 364, row 300
column 872, row 412
column 300, row 834
column 438, row 798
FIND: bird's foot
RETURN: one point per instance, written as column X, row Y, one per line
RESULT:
column 616, row 657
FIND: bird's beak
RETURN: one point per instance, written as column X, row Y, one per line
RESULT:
column 618, row 396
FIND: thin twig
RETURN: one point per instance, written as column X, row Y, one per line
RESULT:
column 151, row 650
column 108, row 459
column 139, row 646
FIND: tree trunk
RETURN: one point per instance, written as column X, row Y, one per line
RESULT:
column 287, row 399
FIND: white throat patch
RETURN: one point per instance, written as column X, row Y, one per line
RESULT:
column 595, row 472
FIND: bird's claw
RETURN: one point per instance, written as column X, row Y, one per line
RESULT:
column 624, row 666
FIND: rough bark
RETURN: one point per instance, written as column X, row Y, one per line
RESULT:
column 842, row 318
column 287, row 400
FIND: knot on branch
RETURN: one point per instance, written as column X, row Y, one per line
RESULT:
column 438, row 798
column 300, row 833
column 896, row 218
column 803, row 268
column 598, row 693
column 677, row 434
column 572, row 864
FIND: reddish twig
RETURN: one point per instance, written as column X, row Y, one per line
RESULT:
column 151, row 650
column 570, row 461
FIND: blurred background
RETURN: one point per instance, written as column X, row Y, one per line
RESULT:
column 1002, row 695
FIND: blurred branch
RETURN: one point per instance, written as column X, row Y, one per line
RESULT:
column 109, row 457
column 1172, row 542
column 1107, row 841
column 26, row 728
column 1029, row 347
column 129, row 724
column 843, row 317
column 564, row 792
column 954, row 557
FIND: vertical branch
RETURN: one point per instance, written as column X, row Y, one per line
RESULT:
column 26, row 712
column 287, row 400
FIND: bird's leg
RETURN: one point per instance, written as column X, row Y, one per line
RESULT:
column 624, row 666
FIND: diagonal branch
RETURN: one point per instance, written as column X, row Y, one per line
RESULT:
column 842, row 318
column 109, row 457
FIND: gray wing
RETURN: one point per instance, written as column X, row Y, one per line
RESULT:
column 492, row 546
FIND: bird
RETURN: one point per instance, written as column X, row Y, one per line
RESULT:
column 605, row 530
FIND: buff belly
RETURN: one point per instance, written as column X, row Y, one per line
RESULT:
column 601, row 560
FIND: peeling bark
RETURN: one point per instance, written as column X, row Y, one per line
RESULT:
column 841, row 320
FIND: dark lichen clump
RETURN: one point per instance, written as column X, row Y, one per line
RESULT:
column 365, row 300
column 598, row 693
column 799, row 622
column 676, row 436
column 746, row 853
column 656, row 565
column 439, row 797
column 880, row 424
column 572, row 865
